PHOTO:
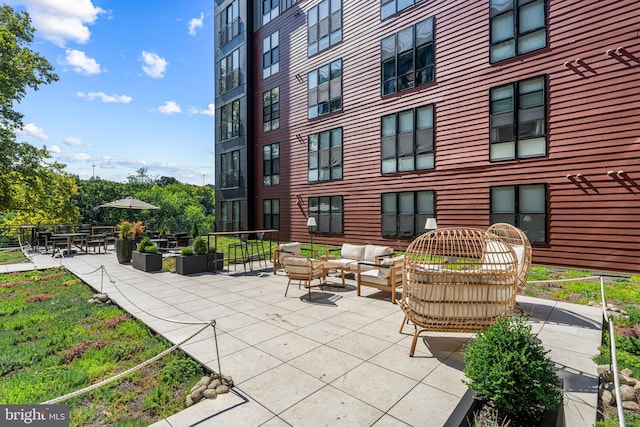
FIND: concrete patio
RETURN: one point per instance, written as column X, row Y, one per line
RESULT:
column 337, row 360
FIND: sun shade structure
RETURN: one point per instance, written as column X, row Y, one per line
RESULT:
column 129, row 203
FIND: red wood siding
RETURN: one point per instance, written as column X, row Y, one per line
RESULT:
column 593, row 125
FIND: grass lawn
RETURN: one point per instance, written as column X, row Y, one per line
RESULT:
column 53, row 342
column 12, row 256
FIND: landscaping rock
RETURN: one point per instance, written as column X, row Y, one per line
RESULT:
column 227, row 380
column 196, row 395
column 214, row 384
column 204, row 381
column 210, row 394
column 631, row 406
column 607, row 398
column 627, row 372
column 627, row 393
column 222, row 389
column 189, row 400
column 209, row 387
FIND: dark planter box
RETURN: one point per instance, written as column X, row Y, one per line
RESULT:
column 124, row 250
column 463, row 414
column 215, row 261
column 191, row 264
column 146, row 262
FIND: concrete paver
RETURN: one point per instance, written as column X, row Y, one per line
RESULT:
column 335, row 360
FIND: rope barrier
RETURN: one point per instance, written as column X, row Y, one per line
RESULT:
column 564, row 280
column 127, row 372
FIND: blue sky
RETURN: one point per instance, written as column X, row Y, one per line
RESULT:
column 135, row 88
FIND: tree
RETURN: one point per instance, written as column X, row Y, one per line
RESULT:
column 20, row 69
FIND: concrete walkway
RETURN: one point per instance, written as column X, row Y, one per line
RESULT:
column 337, row 360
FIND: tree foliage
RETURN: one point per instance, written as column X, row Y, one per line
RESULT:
column 20, row 69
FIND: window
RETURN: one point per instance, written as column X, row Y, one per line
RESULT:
column 270, row 55
column 324, row 26
column 271, row 164
column 271, row 214
column 390, row 7
column 517, row 27
column 407, row 140
column 230, row 120
column 523, row 206
column 230, row 71
column 270, row 9
column 407, row 58
column 327, row 211
column 325, row 155
column 271, row 109
column 230, row 215
column 324, row 89
column 405, row 214
column 230, row 169
column 517, row 122
column 230, row 23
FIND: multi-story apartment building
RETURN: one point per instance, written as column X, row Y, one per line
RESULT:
column 374, row 116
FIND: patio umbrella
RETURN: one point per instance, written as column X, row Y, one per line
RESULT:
column 129, row 203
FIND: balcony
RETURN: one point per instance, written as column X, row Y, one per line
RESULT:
column 229, row 81
column 230, row 179
column 229, row 32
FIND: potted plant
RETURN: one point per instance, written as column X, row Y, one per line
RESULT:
column 147, row 258
column 215, row 260
column 509, row 371
column 193, row 259
column 137, row 230
column 124, row 243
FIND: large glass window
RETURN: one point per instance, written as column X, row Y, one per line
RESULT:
column 229, row 70
column 517, row 121
column 407, row 58
column 230, row 169
column 271, row 214
column 324, row 89
column 270, row 9
column 230, row 23
column 230, row 215
column 523, row 206
column 405, row 214
column 517, row 27
column 407, row 140
column 325, row 155
column 324, row 26
column 271, row 164
column 327, row 211
column 270, row 55
column 390, row 7
column 230, row 120
column 271, row 109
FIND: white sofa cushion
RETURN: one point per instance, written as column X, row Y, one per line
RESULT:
column 383, row 272
column 286, row 249
column 352, row 252
column 373, row 251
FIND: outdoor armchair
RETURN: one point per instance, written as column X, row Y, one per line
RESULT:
column 302, row 269
column 385, row 275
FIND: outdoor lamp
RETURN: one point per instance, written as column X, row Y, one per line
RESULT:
column 311, row 222
column 431, row 224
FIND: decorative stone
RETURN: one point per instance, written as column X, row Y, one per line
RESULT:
column 196, row 394
column 627, row 393
column 627, row 372
column 606, row 376
column 227, row 380
column 222, row 389
column 210, row 394
column 627, row 380
column 189, row 400
column 204, row 381
column 602, row 368
column 102, row 297
column 214, row 384
column 608, row 398
column 631, row 406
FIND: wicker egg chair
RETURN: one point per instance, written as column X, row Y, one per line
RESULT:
column 520, row 244
column 457, row 280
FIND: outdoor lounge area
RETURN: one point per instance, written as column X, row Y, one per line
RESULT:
column 335, row 358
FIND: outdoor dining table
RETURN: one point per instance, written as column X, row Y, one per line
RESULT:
column 72, row 238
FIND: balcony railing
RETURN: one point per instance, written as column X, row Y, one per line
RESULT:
column 229, row 32
column 230, row 179
column 230, row 80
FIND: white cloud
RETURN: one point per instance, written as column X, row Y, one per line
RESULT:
column 73, row 141
column 210, row 111
column 154, row 65
column 113, row 98
column 195, row 23
column 60, row 21
column 81, row 63
column 30, row 130
column 169, row 107
column 54, row 149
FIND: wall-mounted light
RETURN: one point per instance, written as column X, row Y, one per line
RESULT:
column 609, row 52
column 569, row 177
column 620, row 173
column 611, row 173
column 620, row 50
column 431, row 224
column 579, row 61
column 567, row 64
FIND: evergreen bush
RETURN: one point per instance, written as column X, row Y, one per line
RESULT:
column 200, row 245
column 507, row 367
